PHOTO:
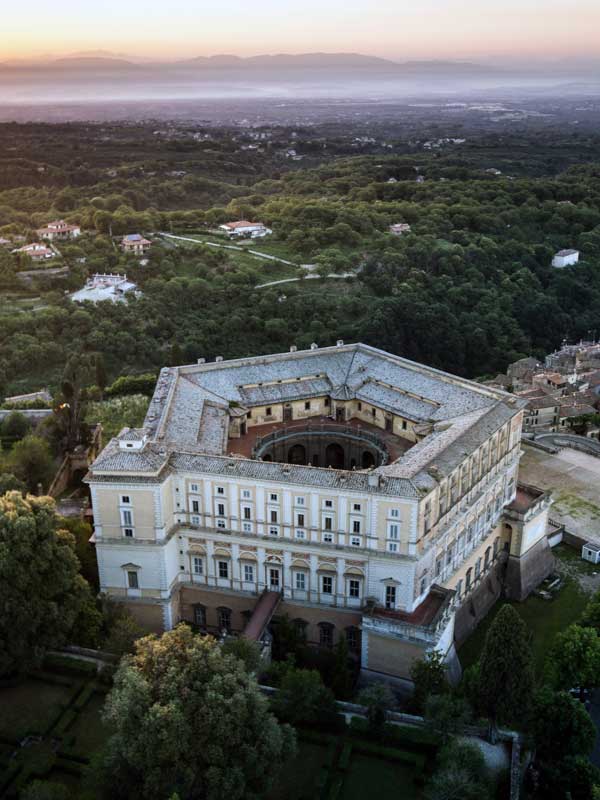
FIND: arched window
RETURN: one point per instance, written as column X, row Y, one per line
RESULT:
column 199, row 612
column 353, row 638
column 326, row 634
column 301, row 625
column 224, row 619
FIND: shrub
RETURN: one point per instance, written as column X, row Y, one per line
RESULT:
column 303, row 698
column 132, row 384
column 69, row 664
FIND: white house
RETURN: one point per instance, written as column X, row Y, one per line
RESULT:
column 399, row 228
column 105, row 287
column 565, row 258
column 244, row 229
column 36, row 251
column 59, row 230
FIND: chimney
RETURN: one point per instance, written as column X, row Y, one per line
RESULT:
column 293, row 348
column 202, row 361
column 219, row 358
column 314, row 346
column 373, row 480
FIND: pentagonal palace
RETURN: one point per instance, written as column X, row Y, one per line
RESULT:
column 357, row 492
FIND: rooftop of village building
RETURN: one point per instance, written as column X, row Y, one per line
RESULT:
column 194, row 406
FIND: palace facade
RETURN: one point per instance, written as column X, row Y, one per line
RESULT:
column 359, row 493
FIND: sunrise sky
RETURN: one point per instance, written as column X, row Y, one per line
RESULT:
column 397, row 29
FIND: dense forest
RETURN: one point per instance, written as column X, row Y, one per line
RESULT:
column 469, row 288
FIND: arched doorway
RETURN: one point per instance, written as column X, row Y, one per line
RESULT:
column 334, row 456
column 297, row 454
column 367, row 460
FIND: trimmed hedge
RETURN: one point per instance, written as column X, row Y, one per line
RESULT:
column 70, row 664
column 52, row 677
column 65, row 722
column 132, row 384
column 344, row 761
column 415, row 760
column 417, row 739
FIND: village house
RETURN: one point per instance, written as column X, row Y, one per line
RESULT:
column 59, row 230
column 245, row 230
column 399, row 228
column 36, row 251
column 135, row 243
column 565, row 258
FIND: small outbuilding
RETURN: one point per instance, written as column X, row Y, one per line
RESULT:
column 565, row 258
column 591, row 552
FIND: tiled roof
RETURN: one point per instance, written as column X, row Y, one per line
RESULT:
column 188, row 417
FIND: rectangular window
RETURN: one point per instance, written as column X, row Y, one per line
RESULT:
column 223, row 569
column 268, row 411
column 393, row 531
column 326, row 402
column 438, row 566
column 246, row 494
column 221, row 509
column 125, row 499
column 132, row 580
column 301, row 581
column 300, row 520
column 328, row 538
column 221, row 524
column 220, row 490
column 300, row 533
column 198, row 565
column 355, row 541
column 395, row 512
column 356, row 526
column 194, row 488
column 127, row 518
column 300, row 501
column 356, row 507
column 247, row 512
column 390, row 597
column 307, row 405
column 200, row 616
column 273, row 498
column 273, row 515
column 247, row 527
column 224, row 617
column 327, row 584
column 328, row 523
column 248, row 573
column 195, row 506
column 359, row 406
column 392, row 547
column 195, row 520
column 128, row 532
column 354, row 588
column 328, row 503
column 273, row 531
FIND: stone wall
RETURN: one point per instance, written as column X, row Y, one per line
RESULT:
column 525, row 573
column 479, row 602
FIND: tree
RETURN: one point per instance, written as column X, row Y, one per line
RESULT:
column 9, row 483
column 45, row 790
column 445, row 714
column 31, row 462
column 429, row 678
column 189, row 719
column 460, row 774
column 591, row 613
column 561, row 725
column 378, row 699
column 506, row 676
column 341, row 681
column 575, row 658
column 303, row 698
column 41, row 591
column 14, row 427
column 247, row 651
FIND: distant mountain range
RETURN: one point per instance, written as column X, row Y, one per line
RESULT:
column 105, row 61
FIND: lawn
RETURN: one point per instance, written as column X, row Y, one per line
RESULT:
column 299, row 777
column 373, row 777
column 30, row 707
column 544, row 618
column 88, row 732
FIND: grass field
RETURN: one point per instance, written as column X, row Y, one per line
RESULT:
column 544, row 618
column 373, row 777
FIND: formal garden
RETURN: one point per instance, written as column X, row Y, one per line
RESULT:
column 51, row 725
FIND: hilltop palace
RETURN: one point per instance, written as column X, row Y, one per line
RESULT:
column 357, row 492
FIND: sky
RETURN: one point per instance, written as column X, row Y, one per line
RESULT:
column 396, row 29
